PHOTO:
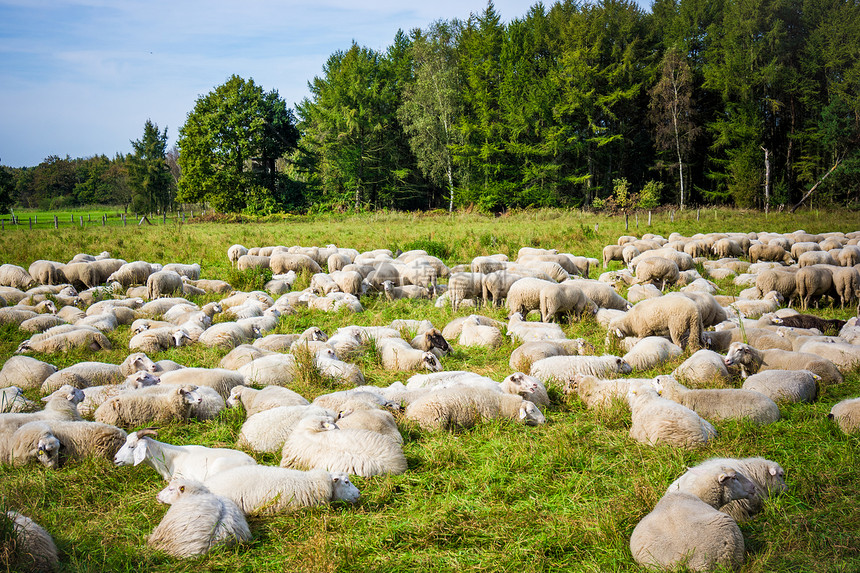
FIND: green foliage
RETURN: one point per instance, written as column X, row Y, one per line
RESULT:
column 148, row 174
column 7, row 190
column 651, row 195
column 249, row 279
column 434, row 248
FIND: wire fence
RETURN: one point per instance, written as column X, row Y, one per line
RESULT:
column 81, row 220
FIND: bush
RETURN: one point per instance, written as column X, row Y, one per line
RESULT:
column 651, row 195
column 433, row 248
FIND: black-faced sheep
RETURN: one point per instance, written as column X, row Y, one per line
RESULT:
column 751, row 360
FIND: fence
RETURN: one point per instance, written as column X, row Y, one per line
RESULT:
column 48, row 221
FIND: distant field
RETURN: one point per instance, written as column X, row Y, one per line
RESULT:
column 87, row 216
column 564, row 496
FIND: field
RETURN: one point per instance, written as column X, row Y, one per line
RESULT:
column 564, row 496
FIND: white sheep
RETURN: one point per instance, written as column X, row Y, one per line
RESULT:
column 785, row 385
column 219, row 379
column 524, row 295
column 525, row 331
column 650, row 352
column 267, row 431
column 704, row 367
column 473, row 333
column 95, row 396
column 720, row 404
column 158, row 339
column 845, row 356
column 34, row 548
column 456, row 408
column 847, row 414
column 657, row 270
column 197, row 521
column 16, row 277
column 152, row 404
column 270, row 370
column 12, row 400
column 562, row 369
column 234, row 252
column 62, row 405
column 76, row 337
column 755, row 308
column 397, row 354
column 673, row 314
column 529, row 352
column 163, row 283
column 190, row 461
column 330, row 366
column 82, row 375
column 597, row 393
column 529, row 387
column 55, row 442
column 272, row 490
column 316, row 442
column 25, row 372
column 360, row 414
column 564, row 298
column 658, row 420
column 751, row 360
column 259, row 400
column 228, row 335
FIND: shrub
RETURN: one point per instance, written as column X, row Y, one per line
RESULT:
column 651, row 195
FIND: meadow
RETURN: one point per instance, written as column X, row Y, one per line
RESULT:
column 563, row 496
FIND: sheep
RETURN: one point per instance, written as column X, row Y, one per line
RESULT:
column 228, row 335
column 267, row 431
column 650, row 352
column 845, row 356
column 845, row 285
column 461, row 408
column 524, row 331
column 727, row 248
column 433, row 341
column 234, row 252
column 273, row 490
column 219, row 379
column 16, row 277
column 462, row 286
column 563, row 298
column 783, row 282
column 601, row 294
column 393, row 293
column 362, row 415
column 751, row 360
column 252, row 262
column 13, row 315
column 657, row 270
column 769, row 253
column 47, row 272
column 330, row 366
column 163, row 283
column 95, row 396
column 134, row 273
column 720, row 404
column 529, row 387
column 158, row 339
column 316, row 442
column 673, row 314
column 755, row 308
column 33, row 547
column 397, row 354
column 55, row 442
column 524, row 295
column 561, row 369
column 191, row 271
column 612, row 253
column 197, row 521
column 702, row 368
column 269, row 397
column 847, row 415
column 82, row 375
column 658, row 420
column 25, row 372
column 77, row 337
column 174, row 461
column 711, row 311
column 530, row 352
column 596, row 393
column 62, row 405
column 281, row 263
column 812, row 282
column 474, row 333
column 137, row 407
column 785, row 385
column 815, row 258
column 766, row 477
column 270, row 370
column 12, row 401
column 638, row 293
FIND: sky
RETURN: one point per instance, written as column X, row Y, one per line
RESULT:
column 81, row 77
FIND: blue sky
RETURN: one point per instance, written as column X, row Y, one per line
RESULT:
column 81, row 77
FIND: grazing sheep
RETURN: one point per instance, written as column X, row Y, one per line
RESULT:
column 815, row 258
column 234, row 252
column 255, row 262
column 530, row 352
column 53, row 443
column 163, row 283
column 267, row 431
column 658, row 420
column 657, row 270
column 672, row 314
column 33, row 548
column 461, row 408
column 782, row 281
column 704, row 367
column 134, row 273
column 751, row 360
column 847, row 414
column 612, row 253
column 720, row 404
column 273, row 490
column 281, row 263
column 269, row 397
column 15, row 277
column 197, row 521
column 711, row 311
column 138, row 407
column 650, row 352
column 397, row 354
column 25, row 372
column 596, row 393
column 47, row 272
column 769, row 252
column 316, row 442
column 561, row 369
column 563, row 298
column 602, row 294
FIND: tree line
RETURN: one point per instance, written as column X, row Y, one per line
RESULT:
column 599, row 105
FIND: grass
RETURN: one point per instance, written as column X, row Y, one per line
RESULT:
column 501, row 497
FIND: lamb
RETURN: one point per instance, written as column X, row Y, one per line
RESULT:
column 658, row 420
column 765, row 476
column 273, row 490
column 33, row 548
column 673, row 314
column 269, row 397
column 751, row 360
column 720, row 404
column 316, row 442
column 704, row 367
column 171, row 461
column 462, row 408
column 847, row 415
column 530, row 352
column 650, row 352
column 76, row 337
column 561, row 369
column 197, row 521
column 12, row 401
column 146, row 405
column 657, row 270
column 397, row 354
column 55, row 442
column 267, row 431
column 474, row 333
column 25, row 372
column 596, row 393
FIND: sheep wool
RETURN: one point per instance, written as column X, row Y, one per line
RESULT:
column 55, row 442
column 561, row 369
column 658, row 420
column 138, row 407
column 34, row 548
column 847, row 414
column 785, row 385
column 720, row 404
column 458, row 408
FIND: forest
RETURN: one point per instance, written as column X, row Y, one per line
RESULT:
column 598, row 105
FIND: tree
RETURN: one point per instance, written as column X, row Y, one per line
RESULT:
column 671, row 109
column 148, row 172
column 229, row 147
column 7, row 190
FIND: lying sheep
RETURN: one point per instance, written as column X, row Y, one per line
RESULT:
column 397, row 354
column 658, row 420
column 267, row 431
column 269, row 397
column 751, row 360
column 273, row 490
column 317, row 443
column 62, row 405
column 53, row 443
column 433, row 341
column 146, row 405
column 524, row 331
column 362, row 415
column 95, row 396
column 197, row 521
column 242, row 355
column 474, row 333
column 77, row 337
column 785, row 385
column 25, row 372
column 562, row 369
column 529, row 387
column 155, row 340
column 596, row 393
column 638, row 293
column 219, row 379
column 83, row 375
column 650, row 352
column 847, row 414
column 270, row 370
column 673, row 314
column 720, row 404
column 843, row 355
column 339, row 371
column 462, row 408
column 528, row 353
column 33, row 548
column 703, row 368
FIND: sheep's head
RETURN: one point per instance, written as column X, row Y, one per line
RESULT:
column 179, row 487
column 190, row 395
column 24, row 347
column 67, row 392
column 141, row 327
column 142, row 379
column 523, row 382
column 738, row 353
column 622, row 366
column 735, row 485
column 431, row 362
column 48, row 451
column 235, row 397
column 140, row 361
column 314, row 424
column 179, row 337
column 343, row 489
column 530, row 414
column 133, row 451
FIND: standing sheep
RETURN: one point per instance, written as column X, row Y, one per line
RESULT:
column 163, row 283
column 657, row 270
column 563, row 298
column 197, row 521
column 675, row 315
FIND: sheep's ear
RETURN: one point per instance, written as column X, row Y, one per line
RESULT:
column 139, row 452
column 723, row 478
column 523, row 413
column 772, row 470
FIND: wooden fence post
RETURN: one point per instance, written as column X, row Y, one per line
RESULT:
column 123, row 219
column 72, row 218
column 31, row 222
column 626, row 222
column 697, row 214
column 36, row 219
column 649, row 218
column 637, row 219
column 104, row 219
column 89, row 218
column 56, row 222
column 164, row 216
column 82, row 221
column 672, row 216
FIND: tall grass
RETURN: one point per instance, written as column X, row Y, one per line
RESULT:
column 500, row 497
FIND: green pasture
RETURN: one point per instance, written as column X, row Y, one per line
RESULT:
column 564, row 496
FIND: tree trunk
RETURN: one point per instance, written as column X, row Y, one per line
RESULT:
column 808, row 193
column 766, row 179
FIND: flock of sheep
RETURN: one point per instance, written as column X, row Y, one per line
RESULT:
column 779, row 355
